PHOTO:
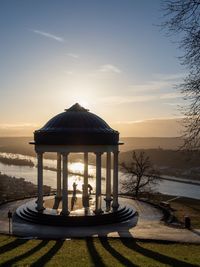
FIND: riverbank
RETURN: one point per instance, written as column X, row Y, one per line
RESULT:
column 12, row 188
column 22, row 160
column 179, row 180
column 16, row 161
column 167, row 159
column 30, row 174
column 179, row 207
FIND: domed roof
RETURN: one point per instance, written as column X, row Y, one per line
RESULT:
column 76, row 126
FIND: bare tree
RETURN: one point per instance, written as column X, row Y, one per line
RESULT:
column 182, row 18
column 140, row 174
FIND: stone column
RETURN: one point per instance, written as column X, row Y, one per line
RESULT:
column 85, row 185
column 115, row 204
column 108, row 181
column 65, row 210
column 40, row 181
column 98, row 183
column 59, row 194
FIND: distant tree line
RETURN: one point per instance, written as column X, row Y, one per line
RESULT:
column 16, row 161
column 12, row 188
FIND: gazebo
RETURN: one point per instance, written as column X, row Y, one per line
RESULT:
column 76, row 130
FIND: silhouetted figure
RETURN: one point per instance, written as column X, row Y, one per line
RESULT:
column 73, row 201
column 74, row 198
column 90, row 188
column 74, row 189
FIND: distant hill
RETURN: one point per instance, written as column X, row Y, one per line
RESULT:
column 21, row 145
column 183, row 164
column 162, row 153
column 131, row 143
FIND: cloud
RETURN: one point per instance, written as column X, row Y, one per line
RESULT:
column 139, row 98
column 109, row 68
column 171, row 95
column 49, row 35
column 150, row 86
column 154, row 127
column 153, row 90
column 167, row 118
column 170, row 77
column 128, row 99
column 73, row 55
column 21, row 129
column 160, row 82
column 19, row 125
column 174, row 104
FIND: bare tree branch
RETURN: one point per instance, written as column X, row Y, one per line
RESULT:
column 183, row 17
column 139, row 174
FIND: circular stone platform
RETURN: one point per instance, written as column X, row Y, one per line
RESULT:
column 78, row 216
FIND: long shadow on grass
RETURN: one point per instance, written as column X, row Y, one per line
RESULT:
column 123, row 260
column 132, row 244
column 24, row 255
column 93, row 253
column 12, row 245
column 47, row 256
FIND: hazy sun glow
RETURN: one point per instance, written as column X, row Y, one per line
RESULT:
column 106, row 55
column 76, row 167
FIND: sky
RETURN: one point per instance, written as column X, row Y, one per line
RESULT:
column 109, row 55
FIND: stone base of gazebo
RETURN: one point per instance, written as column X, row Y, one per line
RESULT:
column 79, row 216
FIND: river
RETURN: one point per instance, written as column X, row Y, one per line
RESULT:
column 30, row 174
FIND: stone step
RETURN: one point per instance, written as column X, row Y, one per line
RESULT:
column 30, row 214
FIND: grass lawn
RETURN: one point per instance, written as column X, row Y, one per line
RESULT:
column 95, row 252
column 189, row 207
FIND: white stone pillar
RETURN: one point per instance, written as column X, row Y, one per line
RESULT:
column 65, row 210
column 85, row 186
column 98, row 183
column 108, row 181
column 115, row 204
column 59, row 194
column 40, row 181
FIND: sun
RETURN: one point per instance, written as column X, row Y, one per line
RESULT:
column 77, row 167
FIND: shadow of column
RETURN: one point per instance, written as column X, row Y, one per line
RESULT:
column 12, row 245
column 56, row 203
column 24, row 255
column 133, row 245
column 96, row 258
column 123, row 260
column 47, row 256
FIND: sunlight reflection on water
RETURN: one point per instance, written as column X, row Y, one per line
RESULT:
column 30, row 174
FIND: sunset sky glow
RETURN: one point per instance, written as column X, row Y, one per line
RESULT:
column 110, row 56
